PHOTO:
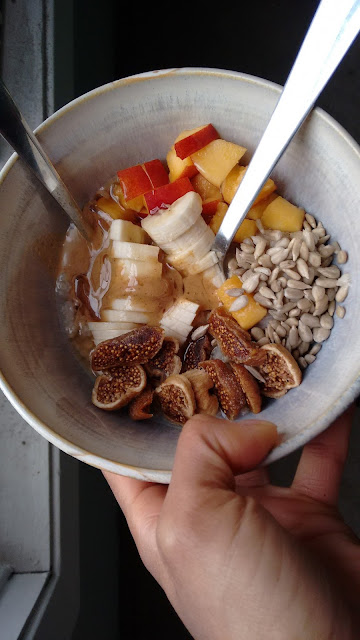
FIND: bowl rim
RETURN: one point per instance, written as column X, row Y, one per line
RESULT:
column 143, row 473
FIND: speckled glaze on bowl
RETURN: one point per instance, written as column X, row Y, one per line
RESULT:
column 115, row 126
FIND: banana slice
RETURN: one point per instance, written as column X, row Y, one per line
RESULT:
column 186, row 239
column 111, row 315
column 138, row 269
column 134, row 251
column 183, row 310
column 126, row 231
column 135, row 304
column 182, row 260
column 110, row 326
column 209, row 260
column 171, row 223
column 176, row 325
column 171, row 333
column 214, row 276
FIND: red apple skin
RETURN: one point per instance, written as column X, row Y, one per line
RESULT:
column 134, row 182
column 209, row 207
column 196, row 141
column 156, row 172
column 164, row 196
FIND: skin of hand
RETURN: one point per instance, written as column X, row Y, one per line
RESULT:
column 242, row 559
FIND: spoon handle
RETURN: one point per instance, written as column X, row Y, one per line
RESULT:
column 17, row 132
column 334, row 27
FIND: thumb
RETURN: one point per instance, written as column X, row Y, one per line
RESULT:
column 212, row 451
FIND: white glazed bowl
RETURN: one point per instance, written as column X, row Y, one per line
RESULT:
column 116, row 126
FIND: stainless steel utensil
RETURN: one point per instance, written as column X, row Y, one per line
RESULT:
column 333, row 29
column 17, row 132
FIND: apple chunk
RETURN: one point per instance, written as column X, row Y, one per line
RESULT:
column 164, row 196
column 192, row 143
column 216, row 160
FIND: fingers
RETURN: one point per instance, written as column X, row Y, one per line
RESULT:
column 211, row 451
column 321, row 465
column 141, row 503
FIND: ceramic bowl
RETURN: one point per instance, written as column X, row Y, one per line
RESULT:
column 115, row 126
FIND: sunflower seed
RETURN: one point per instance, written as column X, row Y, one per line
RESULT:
column 304, row 304
column 306, row 225
column 247, row 248
column 292, row 322
column 259, row 225
column 294, row 275
column 288, row 306
column 255, row 373
column 331, row 308
column 321, row 334
column 257, row 333
column 251, row 283
column 263, row 341
column 287, row 264
column 293, row 294
column 296, row 248
column 341, row 257
column 321, row 306
column 344, row 280
column 326, row 321
column 310, row 219
column 263, row 270
column 283, row 242
column 279, row 256
column 315, row 349
column 342, row 294
column 314, row 259
column 310, row 321
column 302, row 268
column 294, row 336
column 305, row 332
column 340, row 311
column 327, row 283
column 326, row 250
column 304, row 251
column 331, row 294
column 310, row 358
column 294, row 313
column 267, row 293
column 303, row 347
column 275, row 287
column 317, row 292
column 265, row 302
column 302, row 362
column 260, row 247
column 234, row 293
column 281, row 331
column 274, row 274
column 329, row 272
column 239, row 303
column 309, row 240
column 199, row 332
column 298, row 284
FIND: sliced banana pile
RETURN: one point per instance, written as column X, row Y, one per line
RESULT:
column 185, row 237
column 135, row 260
column 177, row 321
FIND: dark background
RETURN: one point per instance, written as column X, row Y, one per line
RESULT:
column 112, row 40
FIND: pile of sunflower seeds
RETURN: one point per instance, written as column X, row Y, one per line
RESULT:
column 294, row 276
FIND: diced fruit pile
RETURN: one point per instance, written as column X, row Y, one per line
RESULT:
column 282, row 287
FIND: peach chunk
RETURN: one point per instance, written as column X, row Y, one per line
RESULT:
column 205, row 189
column 114, row 210
column 216, row 160
column 282, row 215
column 232, row 182
column 255, row 212
column 249, row 315
column 179, row 168
column 247, row 228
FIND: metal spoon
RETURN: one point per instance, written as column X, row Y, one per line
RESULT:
column 334, row 27
column 17, row 132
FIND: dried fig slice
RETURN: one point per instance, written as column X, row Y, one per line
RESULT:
column 201, row 383
column 136, row 347
column 139, row 408
column 118, row 386
column 197, row 351
column 166, row 362
column 279, row 370
column 177, row 398
column 234, row 342
column 249, row 386
column 227, row 389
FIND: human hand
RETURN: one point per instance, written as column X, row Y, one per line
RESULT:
column 237, row 557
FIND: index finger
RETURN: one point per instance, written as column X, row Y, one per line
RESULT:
column 141, row 503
